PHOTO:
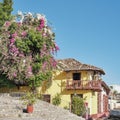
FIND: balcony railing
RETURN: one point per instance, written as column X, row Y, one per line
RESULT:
column 83, row 85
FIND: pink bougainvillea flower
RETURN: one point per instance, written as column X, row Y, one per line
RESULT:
column 43, row 51
column 21, row 55
column 3, row 67
column 11, row 44
column 29, row 70
column 14, row 74
column 52, row 50
column 7, row 23
column 41, row 26
column 14, row 35
column 30, row 57
column 24, row 33
column 19, row 23
column 38, row 29
column 56, row 47
column 44, row 34
column 12, row 40
column 44, row 65
column 53, row 62
column 14, row 50
column 42, row 22
column 44, row 47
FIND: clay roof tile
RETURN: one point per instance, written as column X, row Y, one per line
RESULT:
column 72, row 64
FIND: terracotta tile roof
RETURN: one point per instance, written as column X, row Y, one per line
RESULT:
column 71, row 64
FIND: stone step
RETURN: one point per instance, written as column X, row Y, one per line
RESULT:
column 11, row 107
column 10, row 103
column 2, row 115
column 10, row 111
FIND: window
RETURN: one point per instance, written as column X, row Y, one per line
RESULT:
column 80, row 95
column 76, row 76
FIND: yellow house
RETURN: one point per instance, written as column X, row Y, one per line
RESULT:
column 74, row 78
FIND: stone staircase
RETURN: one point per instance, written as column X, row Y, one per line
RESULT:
column 11, row 108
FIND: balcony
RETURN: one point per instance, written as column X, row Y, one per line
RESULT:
column 83, row 85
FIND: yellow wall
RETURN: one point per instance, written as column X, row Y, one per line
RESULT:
column 58, row 86
column 94, row 103
column 15, row 89
column 91, row 99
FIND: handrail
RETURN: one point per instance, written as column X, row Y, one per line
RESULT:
column 83, row 84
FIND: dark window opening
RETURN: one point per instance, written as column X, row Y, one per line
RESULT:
column 76, row 76
column 80, row 95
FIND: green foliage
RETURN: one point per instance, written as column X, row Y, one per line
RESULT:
column 13, row 28
column 37, row 80
column 7, row 6
column 27, row 49
column 78, row 107
column 39, row 96
column 66, row 108
column 36, row 66
column 5, row 11
column 4, row 82
column 56, row 99
column 29, row 98
column 23, row 45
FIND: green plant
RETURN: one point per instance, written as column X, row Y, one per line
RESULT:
column 4, row 82
column 5, row 11
column 29, row 98
column 39, row 96
column 27, row 48
column 66, row 107
column 56, row 99
column 78, row 107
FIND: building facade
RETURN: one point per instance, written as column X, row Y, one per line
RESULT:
column 74, row 78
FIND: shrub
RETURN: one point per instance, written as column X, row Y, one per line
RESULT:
column 29, row 98
column 56, row 99
column 78, row 107
column 39, row 96
column 66, row 107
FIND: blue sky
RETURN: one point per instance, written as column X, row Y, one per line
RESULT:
column 87, row 30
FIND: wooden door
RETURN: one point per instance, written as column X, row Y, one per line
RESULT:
column 46, row 97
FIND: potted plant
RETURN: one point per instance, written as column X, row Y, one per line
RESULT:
column 29, row 99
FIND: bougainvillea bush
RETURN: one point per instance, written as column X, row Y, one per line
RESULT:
column 27, row 47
